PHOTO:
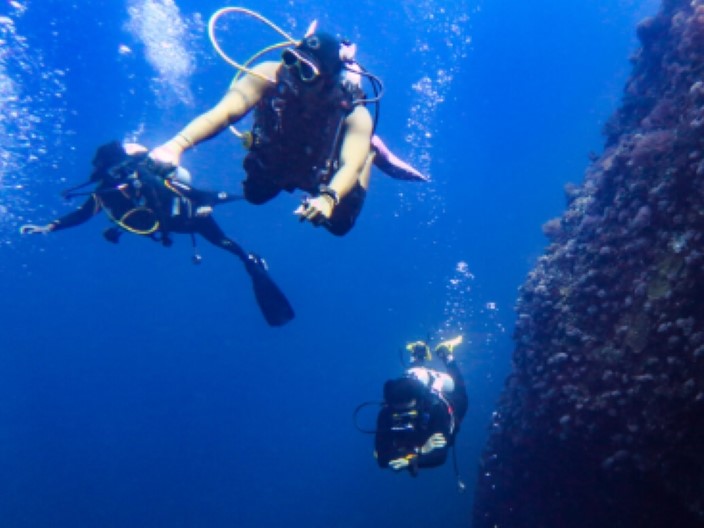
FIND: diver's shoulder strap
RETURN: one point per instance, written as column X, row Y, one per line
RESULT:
column 353, row 92
column 435, row 390
column 344, row 107
column 150, row 170
column 450, row 410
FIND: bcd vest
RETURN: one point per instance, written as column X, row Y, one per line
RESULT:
column 294, row 144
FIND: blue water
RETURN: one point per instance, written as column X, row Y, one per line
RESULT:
column 137, row 389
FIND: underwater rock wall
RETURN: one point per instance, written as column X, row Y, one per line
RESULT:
column 601, row 422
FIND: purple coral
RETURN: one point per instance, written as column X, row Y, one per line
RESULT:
column 603, row 418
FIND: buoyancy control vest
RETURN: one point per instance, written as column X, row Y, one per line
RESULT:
column 294, row 144
column 141, row 196
column 437, row 386
column 131, row 195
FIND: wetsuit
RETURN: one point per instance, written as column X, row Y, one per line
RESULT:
column 436, row 414
column 168, row 205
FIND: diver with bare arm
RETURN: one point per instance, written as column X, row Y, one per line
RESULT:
column 312, row 130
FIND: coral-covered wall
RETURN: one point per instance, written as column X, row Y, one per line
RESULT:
column 601, row 423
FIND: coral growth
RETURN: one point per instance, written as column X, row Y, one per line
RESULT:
column 602, row 421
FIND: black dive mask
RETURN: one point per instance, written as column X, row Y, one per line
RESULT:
column 305, row 68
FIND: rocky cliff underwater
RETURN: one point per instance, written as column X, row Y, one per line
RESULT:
column 601, row 423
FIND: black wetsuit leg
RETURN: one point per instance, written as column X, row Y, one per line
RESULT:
column 458, row 397
column 346, row 212
column 199, row 197
column 210, row 230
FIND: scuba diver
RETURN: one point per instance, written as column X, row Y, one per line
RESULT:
column 422, row 411
column 311, row 129
column 145, row 197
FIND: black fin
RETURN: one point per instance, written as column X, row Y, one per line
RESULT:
column 272, row 302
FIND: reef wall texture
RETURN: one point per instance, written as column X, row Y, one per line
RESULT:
column 601, row 423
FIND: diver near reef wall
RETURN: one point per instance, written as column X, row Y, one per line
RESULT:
column 421, row 414
column 144, row 197
column 311, row 129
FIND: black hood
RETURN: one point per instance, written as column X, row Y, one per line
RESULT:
column 324, row 49
column 107, row 156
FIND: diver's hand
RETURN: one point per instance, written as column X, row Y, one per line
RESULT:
column 31, row 229
column 436, row 441
column 399, row 463
column 317, row 210
column 169, row 153
column 134, row 148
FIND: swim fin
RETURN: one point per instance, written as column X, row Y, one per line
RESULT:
column 272, row 302
column 392, row 165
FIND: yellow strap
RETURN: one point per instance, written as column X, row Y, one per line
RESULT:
column 121, row 221
column 129, row 213
column 169, row 186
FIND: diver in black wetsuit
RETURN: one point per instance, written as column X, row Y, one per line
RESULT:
column 144, row 197
column 422, row 412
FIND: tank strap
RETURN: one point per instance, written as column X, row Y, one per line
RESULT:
column 345, row 106
column 450, row 410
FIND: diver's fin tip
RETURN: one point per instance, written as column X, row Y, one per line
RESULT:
column 272, row 302
column 311, row 28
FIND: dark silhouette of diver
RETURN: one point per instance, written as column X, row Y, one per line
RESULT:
column 422, row 411
column 145, row 197
column 420, row 416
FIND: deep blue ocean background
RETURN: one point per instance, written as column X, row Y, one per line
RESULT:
column 137, row 389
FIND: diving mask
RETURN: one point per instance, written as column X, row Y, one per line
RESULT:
column 307, row 70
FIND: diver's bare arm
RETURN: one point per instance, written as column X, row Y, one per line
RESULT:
column 239, row 99
column 354, row 153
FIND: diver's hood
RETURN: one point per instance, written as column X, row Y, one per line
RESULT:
column 403, row 390
column 324, row 50
column 106, row 156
